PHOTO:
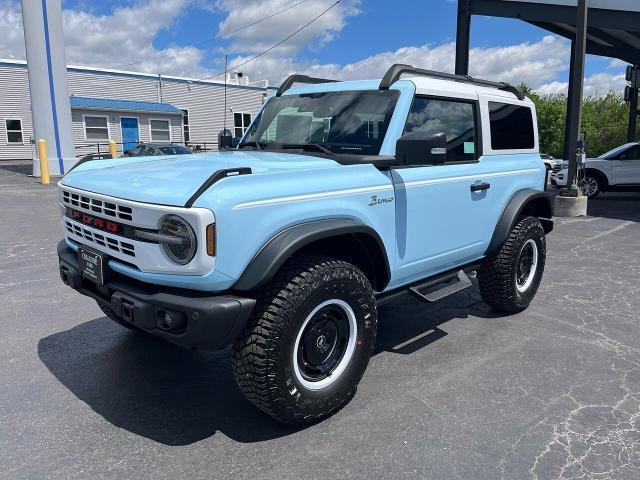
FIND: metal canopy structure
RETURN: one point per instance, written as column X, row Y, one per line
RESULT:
column 611, row 29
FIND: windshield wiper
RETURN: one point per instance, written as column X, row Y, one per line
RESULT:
column 258, row 145
column 308, row 146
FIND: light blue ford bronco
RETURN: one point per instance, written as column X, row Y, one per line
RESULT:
column 341, row 195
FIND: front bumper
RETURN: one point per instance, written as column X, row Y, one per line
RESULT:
column 559, row 179
column 199, row 320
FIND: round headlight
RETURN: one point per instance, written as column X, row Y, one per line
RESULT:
column 182, row 247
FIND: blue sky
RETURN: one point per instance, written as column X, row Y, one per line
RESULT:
column 356, row 39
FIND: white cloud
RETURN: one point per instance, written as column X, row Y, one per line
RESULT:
column 597, row 84
column 127, row 34
column 532, row 63
column 253, row 40
column 124, row 36
column 12, row 38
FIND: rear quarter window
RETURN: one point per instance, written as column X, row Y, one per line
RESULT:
column 511, row 127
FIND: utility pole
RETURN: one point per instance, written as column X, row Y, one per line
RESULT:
column 631, row 96
column 224, row 128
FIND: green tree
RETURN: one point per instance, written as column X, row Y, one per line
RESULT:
column 604, row 121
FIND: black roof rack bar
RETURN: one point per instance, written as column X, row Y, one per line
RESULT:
column 396, row 71
column 288, row 83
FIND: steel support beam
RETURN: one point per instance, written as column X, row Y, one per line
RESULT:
column 542, row 12
column 633, row 118
column 567, row 124
column 463, row 38
column 574, row 116
column 633, row 106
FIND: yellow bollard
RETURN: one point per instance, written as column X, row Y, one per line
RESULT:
column 44, row 161
column 112, row 149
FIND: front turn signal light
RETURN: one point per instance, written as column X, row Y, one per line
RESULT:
column 211, row 240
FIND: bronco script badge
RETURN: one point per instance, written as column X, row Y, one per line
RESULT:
column 376, row 200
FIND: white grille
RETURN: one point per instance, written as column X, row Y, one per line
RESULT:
column 91, row 204
column 102, row 240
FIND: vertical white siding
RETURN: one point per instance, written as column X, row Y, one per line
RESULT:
column 15, row 103
column 205, row 102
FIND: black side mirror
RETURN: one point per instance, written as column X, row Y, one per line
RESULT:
column 225, row 139
column 422, row 148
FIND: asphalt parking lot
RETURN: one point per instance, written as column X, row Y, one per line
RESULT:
column 454, row 391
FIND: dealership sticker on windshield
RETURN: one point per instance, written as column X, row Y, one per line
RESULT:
column 469, row 147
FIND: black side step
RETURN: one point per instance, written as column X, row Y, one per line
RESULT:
column 432, row 292
column 448, row 277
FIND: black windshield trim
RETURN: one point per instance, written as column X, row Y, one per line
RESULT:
column 379, row 161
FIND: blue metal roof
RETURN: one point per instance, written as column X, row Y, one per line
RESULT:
column 123, row 105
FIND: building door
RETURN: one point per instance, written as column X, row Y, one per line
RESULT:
column 130, row 132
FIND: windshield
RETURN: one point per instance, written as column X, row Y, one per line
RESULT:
column 353, row 122
column 174, row 150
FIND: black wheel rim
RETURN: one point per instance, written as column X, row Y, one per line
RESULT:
column 323, row 343
column 527, row 264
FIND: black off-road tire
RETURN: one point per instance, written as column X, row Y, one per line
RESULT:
column 497, row 276
column 263, row 356
column 106, row 309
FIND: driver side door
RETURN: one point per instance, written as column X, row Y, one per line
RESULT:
column 441, row 221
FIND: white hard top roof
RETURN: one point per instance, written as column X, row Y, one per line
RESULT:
column 450, row 88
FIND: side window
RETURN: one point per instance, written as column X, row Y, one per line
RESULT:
column 160, row 130
column 241, row 122
column 511, row 127
column 96, row 128
column 456, row 119
column 631, row 153
column 14, row 130
column 147, row 150
column 185, row 126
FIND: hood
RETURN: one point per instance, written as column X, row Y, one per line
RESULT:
column 172, row 180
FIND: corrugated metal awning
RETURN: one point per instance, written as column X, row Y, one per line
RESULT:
column 123, row 105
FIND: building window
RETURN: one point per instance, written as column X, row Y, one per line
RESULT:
column 160, row 130
column 511, row 127
column 456, row 119
column 14, row 130
column 185, row 125
column 241, row 122
column 96, row 128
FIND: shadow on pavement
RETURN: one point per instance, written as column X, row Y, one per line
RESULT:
column 176, row 397
column 17, row 167
column 616, row 205
column 153, row 388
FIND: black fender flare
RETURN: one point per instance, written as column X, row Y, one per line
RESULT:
column 536, row 202
column 272, row 255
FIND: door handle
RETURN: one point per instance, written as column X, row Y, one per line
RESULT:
column 478, row 187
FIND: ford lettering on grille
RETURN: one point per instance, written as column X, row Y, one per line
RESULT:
column 95, row 222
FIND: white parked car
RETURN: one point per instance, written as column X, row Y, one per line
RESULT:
column 552, row 164
column 616, row 169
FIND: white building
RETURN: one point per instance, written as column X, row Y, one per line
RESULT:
column 129, row 107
